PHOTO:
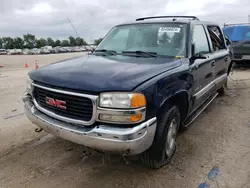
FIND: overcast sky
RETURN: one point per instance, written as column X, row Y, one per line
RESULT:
column 94, row 18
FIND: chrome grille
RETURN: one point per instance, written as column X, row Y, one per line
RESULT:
column 79, row 109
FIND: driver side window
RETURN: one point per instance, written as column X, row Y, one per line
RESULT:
column 200, row 40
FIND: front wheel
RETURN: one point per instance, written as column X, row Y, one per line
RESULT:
column 164, row 145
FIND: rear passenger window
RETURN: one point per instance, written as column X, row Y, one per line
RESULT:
column 200, row 40
column 217, row 38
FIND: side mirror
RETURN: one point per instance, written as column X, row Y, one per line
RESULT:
column 195, row 55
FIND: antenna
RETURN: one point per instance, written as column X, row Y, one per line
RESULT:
column 73, row 28
column 92, row 49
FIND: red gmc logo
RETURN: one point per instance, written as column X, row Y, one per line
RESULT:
column 56, row 103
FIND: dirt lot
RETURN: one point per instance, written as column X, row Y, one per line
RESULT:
column 219, row 137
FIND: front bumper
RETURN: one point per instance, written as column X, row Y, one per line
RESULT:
column 124, row 141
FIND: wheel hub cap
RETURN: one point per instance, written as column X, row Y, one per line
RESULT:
column 171, row 137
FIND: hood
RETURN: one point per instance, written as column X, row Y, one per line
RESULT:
column 102, row 73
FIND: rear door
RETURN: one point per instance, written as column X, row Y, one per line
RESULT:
column 220, row 54
column 202, row 68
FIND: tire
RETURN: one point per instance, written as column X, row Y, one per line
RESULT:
column 161, row 151
column 223, row 89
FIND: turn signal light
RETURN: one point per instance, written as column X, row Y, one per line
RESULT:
column 135, row 117
column 118, row 118
column 138, row 100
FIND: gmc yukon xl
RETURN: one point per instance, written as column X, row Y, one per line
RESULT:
column 146, row 81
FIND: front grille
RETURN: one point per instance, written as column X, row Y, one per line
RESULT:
column 78, row 108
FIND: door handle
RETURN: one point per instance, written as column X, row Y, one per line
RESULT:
column 213, row 64
column 226, row 59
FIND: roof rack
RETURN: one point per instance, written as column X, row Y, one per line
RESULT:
column 174, row 17
column 236, row 24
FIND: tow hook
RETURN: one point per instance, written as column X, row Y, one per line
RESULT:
column 38, row 130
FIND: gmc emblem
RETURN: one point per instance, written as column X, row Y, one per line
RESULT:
column 56, row 103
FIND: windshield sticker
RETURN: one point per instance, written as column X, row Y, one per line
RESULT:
column 170, row 29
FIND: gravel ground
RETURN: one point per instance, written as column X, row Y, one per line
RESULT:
column 218, row 138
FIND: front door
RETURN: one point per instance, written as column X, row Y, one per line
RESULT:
column 203, row 69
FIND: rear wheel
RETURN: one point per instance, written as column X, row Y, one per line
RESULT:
column 223, row 89
column 164, row 145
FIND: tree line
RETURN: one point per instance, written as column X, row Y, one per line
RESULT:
column 30, row 41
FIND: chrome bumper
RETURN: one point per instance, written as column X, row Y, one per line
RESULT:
column 124, row 141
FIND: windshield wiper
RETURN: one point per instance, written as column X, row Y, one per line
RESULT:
column 111, row 52
column 139, row 52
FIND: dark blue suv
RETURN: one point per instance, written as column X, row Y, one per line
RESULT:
column 239, row 35
column 145, row 82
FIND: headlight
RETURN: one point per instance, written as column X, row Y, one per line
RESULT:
column 122, row 100
column 123, row 108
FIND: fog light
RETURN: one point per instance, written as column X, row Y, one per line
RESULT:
column 135, row 117
column 118, row 118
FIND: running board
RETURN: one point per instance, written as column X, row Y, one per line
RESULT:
column 199, row 111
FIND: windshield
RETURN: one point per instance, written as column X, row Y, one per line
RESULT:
column 237, row 33
column 162, row 39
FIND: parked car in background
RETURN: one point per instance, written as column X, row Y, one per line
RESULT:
column 77, row 49
column 26, row 51
column 93, row 46
column 88, row 48
column 44, row 51
column 48, row 47
column 239, row 35
column 35, row 51
column 3, row 52
column 15, row 52
column 69, row 49
column 61, row 50
column 82, row 48
column 55, row 50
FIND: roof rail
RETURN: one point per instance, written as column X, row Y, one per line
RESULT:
column 174, row 17
column 236, row 24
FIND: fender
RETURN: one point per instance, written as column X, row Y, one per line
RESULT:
column 162, row 87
